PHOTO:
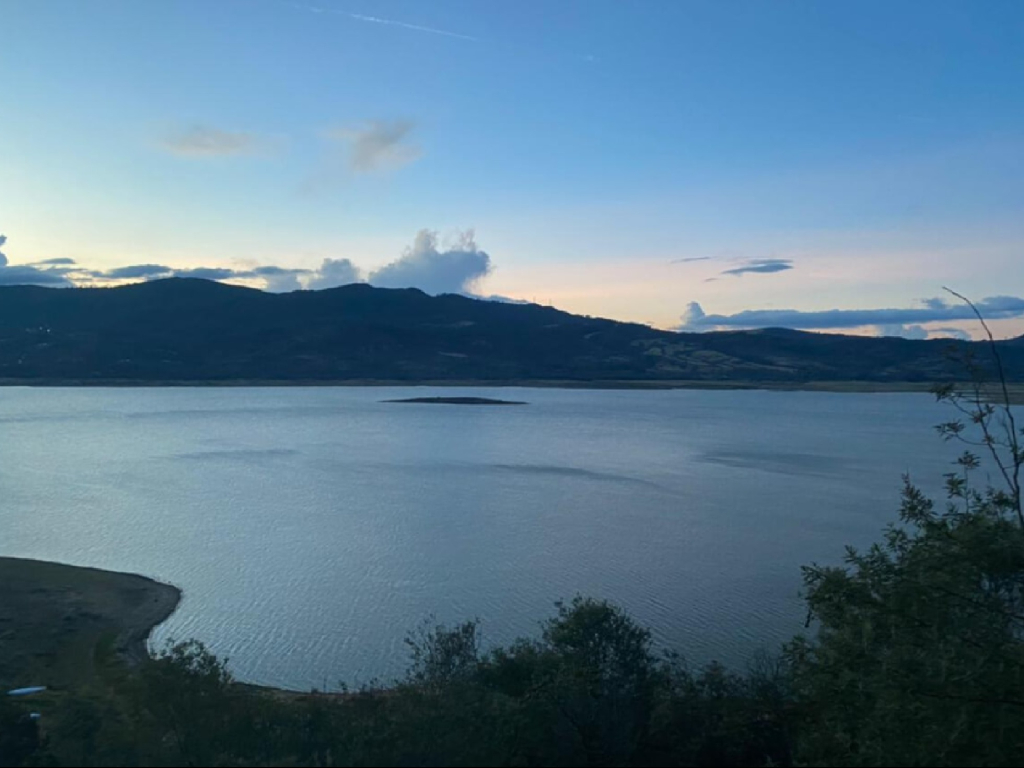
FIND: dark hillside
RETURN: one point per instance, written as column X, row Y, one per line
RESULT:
column 196, row 330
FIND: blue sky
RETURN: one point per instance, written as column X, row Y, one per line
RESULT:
column 617, row 159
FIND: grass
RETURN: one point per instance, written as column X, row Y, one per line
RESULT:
column 63, row 626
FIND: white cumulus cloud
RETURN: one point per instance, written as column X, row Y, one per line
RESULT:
column 424, row 265
column 334, row 272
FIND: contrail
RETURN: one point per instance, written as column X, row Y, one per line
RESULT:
column 415, row 27
column 387, row 22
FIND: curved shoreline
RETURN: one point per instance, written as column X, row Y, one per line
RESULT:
column 55, row 618
column 133, row 643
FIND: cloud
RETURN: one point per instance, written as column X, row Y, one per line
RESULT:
column 52, row 270
column 903, row 331
column 935, row 310
column 272, row 271
column 499, row 299
column 424, row 266
column 951, row 333
column 378, row 146
column 285, row 282
column 63, row 260
column 691, row 259
column 761, row 267
column 335, row 272
column 204, row 141
column 935, row 303
column 27, row 274
column 692, row 316
column 277, row 279
column 455, row 268
column 134, row 271
column 207, row 273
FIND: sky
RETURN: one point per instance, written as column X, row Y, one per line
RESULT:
column 687, row 164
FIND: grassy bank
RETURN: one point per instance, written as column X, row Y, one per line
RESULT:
column 62, row 625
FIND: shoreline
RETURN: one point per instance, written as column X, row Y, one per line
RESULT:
column 37, row 599
column 1016, row 389
column 57, row 620
column 133, row 644
column 858, row 385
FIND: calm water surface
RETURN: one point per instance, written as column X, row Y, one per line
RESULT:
column 311, row 529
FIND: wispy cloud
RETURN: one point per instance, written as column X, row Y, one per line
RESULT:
column 25, row 275
column 276, row 271
column 134, row 271
column 690, row 260
column 207, row 273
column 934, row 310
column 381, row 145
column 274, row 279
column 760, row 267
column 205, row 141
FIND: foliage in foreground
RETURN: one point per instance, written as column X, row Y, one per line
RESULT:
column 588, row 691
column 917, row 660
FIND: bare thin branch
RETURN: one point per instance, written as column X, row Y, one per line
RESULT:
column 1011, row 471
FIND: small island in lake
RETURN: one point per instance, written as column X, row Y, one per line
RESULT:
column 457, row 401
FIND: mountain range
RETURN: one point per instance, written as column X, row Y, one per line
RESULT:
column 189, row 330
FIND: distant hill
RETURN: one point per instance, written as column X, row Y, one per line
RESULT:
column 185, row 330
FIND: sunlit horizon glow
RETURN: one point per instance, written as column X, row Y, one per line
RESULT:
column 757, row 161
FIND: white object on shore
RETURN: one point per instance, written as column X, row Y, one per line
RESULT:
column 27, row 691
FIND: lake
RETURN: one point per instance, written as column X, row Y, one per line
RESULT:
column 312, row 528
